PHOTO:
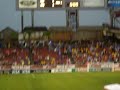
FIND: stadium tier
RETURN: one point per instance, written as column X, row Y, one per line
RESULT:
column 52, row 54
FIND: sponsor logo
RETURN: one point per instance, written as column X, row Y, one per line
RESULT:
column 28, row 3
column 81, row 69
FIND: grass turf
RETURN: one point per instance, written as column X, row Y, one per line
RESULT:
column 59, row 81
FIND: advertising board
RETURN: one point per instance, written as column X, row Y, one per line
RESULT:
column 93, row 3
column 27, row 4
column 114, row 3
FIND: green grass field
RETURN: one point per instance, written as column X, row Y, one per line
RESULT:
column 59, row 81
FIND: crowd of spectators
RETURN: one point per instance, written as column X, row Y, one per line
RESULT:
column 10, row 56
column 70, row 52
